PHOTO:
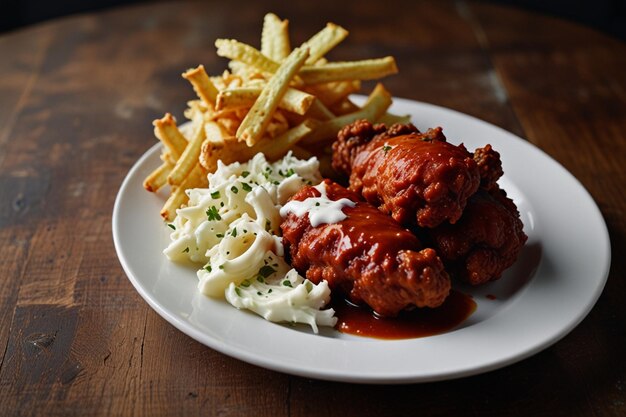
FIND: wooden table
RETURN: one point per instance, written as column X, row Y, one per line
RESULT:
column 77, row 97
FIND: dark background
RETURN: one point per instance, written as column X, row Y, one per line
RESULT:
column 608, row 16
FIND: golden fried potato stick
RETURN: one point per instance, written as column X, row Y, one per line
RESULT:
column 197, row 178
column 334, row 92
column 295, row 101
column 202, row 85
column 157, row 178
column 229, row 151
column 275, row 42
column 166, row 131
column 367, row 69
column 188, row 159
column 391, row 119
column 254, row 124
column 238, row 51
column 377, row 104
column 318, row 111
column 345, row 106
column 323, row 41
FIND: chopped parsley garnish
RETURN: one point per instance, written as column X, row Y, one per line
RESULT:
column 212, row 214
column 266, row 271
column 234, row 232
column 386, row 148
column 246, row 186
column 220, row 235
column 287, row 283
column 215, row 194
column 234, row 189
column 317, row 204
column 186, row 250
column 245, row 174
column 290, row 172
column 245, row 283
column 208, row 268
column 170, row 225
column 238, row 291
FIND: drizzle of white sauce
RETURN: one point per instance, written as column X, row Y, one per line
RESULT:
column 321, row 210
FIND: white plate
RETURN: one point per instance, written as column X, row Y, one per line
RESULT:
column 557, row 279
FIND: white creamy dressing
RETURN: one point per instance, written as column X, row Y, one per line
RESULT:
column 232, row 228
column 321, row 210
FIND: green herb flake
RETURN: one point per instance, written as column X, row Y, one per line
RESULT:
column 386, row 148
column 245, row 174
column 213, row 214
column 266, row 271
column 290, row 172
column 246, row 186
column 287, row 283
column 260, row 279
column 238, row 291
column 259, row 293
column 234, row 189
column 208, row 268
column 234, row 232
column 317, row 204
column 186, row 250
column 171, row 226
column 219, row 235
column 215, row 194
column 245, row 283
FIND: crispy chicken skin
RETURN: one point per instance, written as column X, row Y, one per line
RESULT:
column 367, row 256
column 485, row 241
column 417, row 178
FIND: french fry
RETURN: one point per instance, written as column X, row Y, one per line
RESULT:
column 391, row 119
column 323, row 41
column 238, row 51
column 197, row 178
column 175, row 200
column 334, row 92
column 377, row 104
column 166, row 131
column 320, row 112
column 188, row 159
column 275, row 42
column 367, row 69
column 279, row 146
column 202, row 85
column 345, row 106
column 254, row 124
column 295, row 101
column 158, row 178
column 229, row 152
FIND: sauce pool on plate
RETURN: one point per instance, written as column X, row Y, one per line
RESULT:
column 420, row 322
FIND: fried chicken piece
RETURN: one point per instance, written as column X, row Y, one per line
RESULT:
column 367, row 256
column 489, row 166
column 485, row 241
column 417, row 178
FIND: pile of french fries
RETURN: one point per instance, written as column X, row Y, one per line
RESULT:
column 270, row 100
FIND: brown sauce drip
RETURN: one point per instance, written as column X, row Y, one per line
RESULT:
column 420, row 322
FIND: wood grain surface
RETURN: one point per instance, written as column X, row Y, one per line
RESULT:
column 77, row 98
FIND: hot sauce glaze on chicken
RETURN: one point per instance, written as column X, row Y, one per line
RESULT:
column 416, row 178
column 368, row 257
